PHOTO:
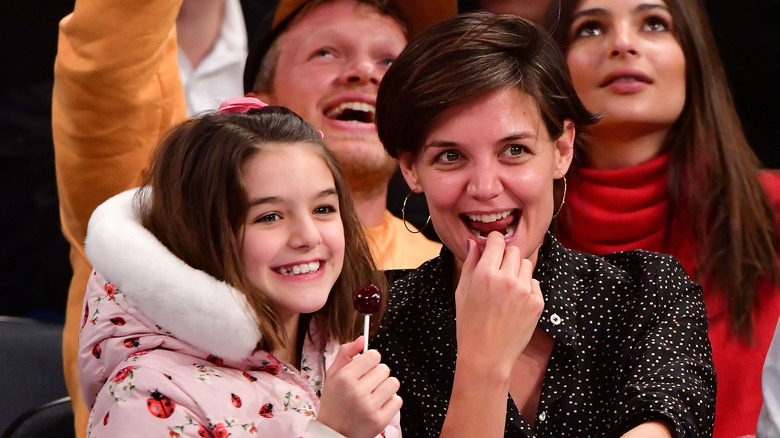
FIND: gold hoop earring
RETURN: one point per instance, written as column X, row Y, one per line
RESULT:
column 563, row 199
column 403, row 216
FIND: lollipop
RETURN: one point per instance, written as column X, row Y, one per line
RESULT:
column 367, row 299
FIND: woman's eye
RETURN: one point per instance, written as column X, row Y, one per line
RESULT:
column 325, row 209
column 587, row 29
column 268, row 218
column 448, row 156
column 656, row 24
column 515, row 150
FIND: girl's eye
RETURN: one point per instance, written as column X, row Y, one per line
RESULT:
column 448, row 156
column 587, row 29
column 387, row 62
column 268, row 218
column 325, row 209
column 656, row 24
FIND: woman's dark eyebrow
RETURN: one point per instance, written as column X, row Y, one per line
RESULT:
column 601, row 12
column 591, row 12
column 512, row 137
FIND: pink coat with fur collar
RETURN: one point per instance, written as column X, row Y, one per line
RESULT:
column 168, row 351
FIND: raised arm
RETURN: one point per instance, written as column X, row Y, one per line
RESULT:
column 116, row 90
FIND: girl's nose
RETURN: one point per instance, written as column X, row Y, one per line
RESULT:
column 305, row 235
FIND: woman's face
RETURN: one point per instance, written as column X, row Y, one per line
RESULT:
column 489, row 165
column 293, row 236
column 626, row 63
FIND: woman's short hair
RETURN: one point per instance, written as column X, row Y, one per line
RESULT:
column 468, row 56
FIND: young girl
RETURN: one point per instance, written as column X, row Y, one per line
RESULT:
column 223, row 288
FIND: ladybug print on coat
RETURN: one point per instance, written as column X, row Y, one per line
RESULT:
column 271, row 366
column 160, row 406
column 215, row 360
column 97, row 350
column 122, row 374
column 131, row 342
column 118, row 320
column 267, row 410
column 236, row 400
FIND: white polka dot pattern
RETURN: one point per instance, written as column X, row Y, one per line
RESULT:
column 631, row 345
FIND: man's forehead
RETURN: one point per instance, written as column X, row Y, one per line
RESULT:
column 321, row 14
column 416, row 14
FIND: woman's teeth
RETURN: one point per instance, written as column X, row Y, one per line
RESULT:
column 509, row 232
column 303, row 268
column 489, row 217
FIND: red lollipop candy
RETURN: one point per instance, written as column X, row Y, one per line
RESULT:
column 367, row 299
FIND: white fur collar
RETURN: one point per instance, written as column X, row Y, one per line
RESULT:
column 192, row 305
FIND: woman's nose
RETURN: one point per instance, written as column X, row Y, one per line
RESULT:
column 484, row 182
column 623, row 41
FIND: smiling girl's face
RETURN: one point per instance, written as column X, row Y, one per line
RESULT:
column 489, row 165
column 293, row 236
column 627, row 64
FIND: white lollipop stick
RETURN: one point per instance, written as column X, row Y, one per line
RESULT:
column 366, row 322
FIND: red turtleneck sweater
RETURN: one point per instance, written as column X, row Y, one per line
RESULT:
column 616, row 210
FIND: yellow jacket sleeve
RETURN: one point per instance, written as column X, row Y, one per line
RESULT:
column 116, row 90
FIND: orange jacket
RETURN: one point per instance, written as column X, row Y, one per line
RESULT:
column 116, row 90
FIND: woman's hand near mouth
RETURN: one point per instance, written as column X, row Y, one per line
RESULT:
column 497, row 305
column 497, row 302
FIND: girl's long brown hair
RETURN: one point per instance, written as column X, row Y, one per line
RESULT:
column 197, row 208
column 713, row 172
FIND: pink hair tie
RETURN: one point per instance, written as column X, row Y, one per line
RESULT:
column 240, row 105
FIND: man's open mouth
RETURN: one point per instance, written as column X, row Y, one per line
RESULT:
column 358, row 112
column 481, row 225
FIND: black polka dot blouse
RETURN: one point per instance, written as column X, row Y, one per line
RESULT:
column 631, row 345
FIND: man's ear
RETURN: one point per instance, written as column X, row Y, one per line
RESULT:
column 407, row 162
column 564, row 149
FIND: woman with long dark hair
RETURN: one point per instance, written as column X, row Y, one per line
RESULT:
column 668, row 169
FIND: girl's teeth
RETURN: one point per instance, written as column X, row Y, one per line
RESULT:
column 303, row 268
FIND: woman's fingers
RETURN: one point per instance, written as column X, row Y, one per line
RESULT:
column 493, row 254
column 499, row 307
